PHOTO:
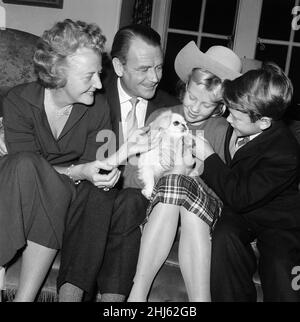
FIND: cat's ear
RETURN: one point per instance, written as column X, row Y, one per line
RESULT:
column 165, row 120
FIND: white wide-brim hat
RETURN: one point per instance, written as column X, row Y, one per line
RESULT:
column 219, row 60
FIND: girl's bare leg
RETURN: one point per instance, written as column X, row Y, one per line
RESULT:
column 157, row 240
column 194, row 256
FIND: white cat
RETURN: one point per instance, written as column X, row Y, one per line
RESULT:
column 155, row 163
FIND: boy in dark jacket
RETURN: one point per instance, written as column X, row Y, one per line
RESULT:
column 259, row 188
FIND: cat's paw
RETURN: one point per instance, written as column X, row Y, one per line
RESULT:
column 147, row 193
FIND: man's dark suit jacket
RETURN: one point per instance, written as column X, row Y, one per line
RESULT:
column 260, row 182
column 161, row 99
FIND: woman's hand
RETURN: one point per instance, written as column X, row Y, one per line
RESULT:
column 3, row 149
column 91, row 171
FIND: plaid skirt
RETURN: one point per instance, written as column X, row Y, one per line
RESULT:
column 188, row 192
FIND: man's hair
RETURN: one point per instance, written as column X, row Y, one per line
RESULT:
column 60, row 42
column 125, row 35
column 261, row 92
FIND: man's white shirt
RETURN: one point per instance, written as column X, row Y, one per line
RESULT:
column 126, row 106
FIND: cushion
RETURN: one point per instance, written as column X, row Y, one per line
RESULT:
column 16, row 59
column 16, row 53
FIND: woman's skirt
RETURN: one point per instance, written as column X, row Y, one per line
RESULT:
column 34, row 200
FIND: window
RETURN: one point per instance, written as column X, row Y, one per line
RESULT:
column 278, row 42
column 259, row 29
column 207, row 22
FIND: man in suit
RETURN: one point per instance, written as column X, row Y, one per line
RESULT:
column 258, row 185
column 103, row 242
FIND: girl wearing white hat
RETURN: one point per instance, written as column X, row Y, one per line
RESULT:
column 179, row 196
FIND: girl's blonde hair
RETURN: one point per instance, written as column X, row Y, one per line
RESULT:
column 212, row 83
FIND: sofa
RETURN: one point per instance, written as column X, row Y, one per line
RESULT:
column 16, row 51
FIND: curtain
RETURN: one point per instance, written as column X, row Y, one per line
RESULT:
column 142, row 12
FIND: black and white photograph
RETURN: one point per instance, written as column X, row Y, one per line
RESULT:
column 149, row 153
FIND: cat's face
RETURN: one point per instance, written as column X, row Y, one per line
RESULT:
column 178, row 124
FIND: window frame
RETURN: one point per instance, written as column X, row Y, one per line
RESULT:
column 160, row 22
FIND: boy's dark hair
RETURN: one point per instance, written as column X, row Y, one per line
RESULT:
column 124, row 36
column 261, row 92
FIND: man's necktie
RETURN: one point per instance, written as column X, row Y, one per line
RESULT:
column 242, row 141
column 131, row 120
column 129, row 172
column 237, row 144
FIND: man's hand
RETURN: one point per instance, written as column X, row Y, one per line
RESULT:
column 142, row 140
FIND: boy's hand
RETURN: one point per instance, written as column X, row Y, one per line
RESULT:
column 201, row 148
column 184, row 161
